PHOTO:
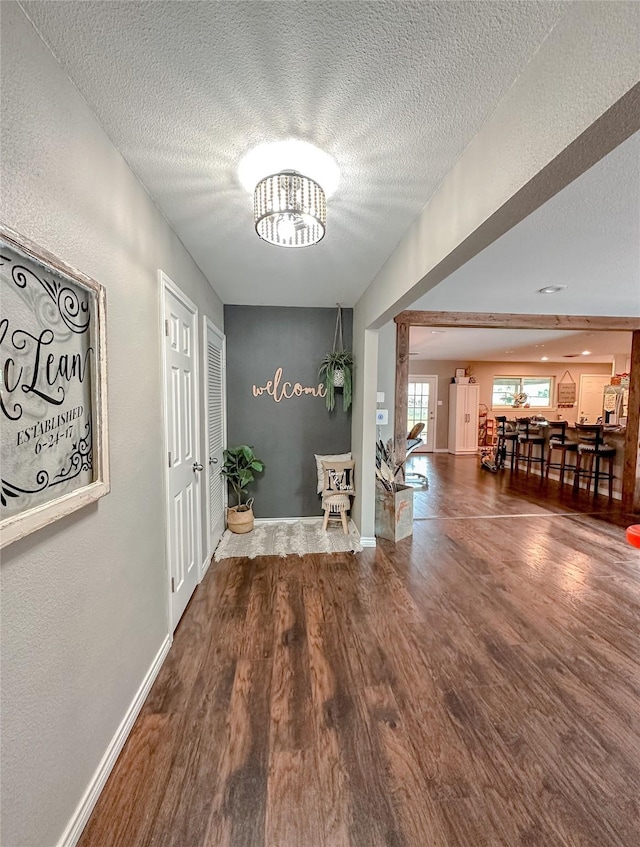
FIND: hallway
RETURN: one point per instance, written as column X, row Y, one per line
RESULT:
column 477, row 685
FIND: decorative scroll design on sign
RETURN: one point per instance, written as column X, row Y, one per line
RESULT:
column 74, row 312
column 80, row 459
column 8, row 489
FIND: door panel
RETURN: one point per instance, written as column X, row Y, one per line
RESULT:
column 423, row 394
column 215, row 433
column 591, row 396
column 184, row 489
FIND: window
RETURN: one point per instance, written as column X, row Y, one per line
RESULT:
column 539, row 391
column 418, row 404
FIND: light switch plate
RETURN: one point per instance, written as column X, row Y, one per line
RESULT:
column 380, row 397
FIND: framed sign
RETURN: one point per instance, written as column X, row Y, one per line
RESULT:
column 53, row 389
column 566, row 392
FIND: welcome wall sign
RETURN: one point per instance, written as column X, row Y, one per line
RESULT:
column 286, row 390
column 53, row 405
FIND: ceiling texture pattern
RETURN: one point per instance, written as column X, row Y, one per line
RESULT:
column 586, row 238
column 394, row 91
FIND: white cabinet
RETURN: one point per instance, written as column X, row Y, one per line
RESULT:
column 464, row 401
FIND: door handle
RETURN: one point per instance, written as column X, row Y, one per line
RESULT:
column 197, row 466
column 213, row 460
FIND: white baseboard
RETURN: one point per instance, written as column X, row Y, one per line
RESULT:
column 309, row 519
column 205, row 566
column 73, row 831
column 365, row 540
column 441, row 450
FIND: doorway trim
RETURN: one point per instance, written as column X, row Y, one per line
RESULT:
column 484, row 320
column 208, row 325
column 166, row 284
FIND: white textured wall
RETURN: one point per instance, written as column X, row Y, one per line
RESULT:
column 387, row 375
column 84, row 602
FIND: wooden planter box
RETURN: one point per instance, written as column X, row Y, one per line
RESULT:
column 394, row 513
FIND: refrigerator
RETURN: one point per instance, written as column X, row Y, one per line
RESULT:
column 614, row 404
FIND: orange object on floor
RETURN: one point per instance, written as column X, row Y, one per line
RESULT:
column 633, row 535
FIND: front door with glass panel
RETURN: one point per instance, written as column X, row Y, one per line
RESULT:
column 422, row 404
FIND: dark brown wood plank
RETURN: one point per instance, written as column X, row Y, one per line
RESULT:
column 476, row 684
column 517, row 321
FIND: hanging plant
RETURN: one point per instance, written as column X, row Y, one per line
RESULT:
column 336, row 369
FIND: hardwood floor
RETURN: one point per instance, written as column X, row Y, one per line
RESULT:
column 477, row 685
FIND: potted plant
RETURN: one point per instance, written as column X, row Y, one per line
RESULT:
column 239, row 467
column 335, row 372
column 336, row 369
column 394, row 499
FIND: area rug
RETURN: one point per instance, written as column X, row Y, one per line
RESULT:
column 295, row 538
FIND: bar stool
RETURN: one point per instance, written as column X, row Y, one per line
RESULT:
column 529, row 436
column 591, row 445
column 558, row 440
column 508, row 437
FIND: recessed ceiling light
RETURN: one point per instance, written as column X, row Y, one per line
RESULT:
column 551, row 289
column 544, row 359
column 586, row 352
column 437, row 331
column 291, row 155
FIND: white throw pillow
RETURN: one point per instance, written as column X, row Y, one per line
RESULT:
column 340, row 457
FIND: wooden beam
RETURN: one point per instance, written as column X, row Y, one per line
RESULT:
column 631, row 468
column 485, row 320
column 402, row 391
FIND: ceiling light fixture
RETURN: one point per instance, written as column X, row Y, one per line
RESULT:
column 437, row 331
column 544, row 358
column 290, row 210
column 551, row 289
column 586, row 352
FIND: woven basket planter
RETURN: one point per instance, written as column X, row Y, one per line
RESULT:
column 240, row 519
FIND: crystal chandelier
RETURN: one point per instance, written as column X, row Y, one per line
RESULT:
column 290, row 210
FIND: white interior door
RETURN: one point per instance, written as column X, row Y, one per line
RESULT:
column 422, row 405
column 215, row 411
column 182, row 436
column 591, row 396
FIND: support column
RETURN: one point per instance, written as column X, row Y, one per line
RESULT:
column 631, row 468
column 402, row 390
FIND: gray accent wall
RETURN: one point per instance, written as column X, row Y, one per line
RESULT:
column 284, row 435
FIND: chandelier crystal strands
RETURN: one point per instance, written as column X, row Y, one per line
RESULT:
column 290, row 210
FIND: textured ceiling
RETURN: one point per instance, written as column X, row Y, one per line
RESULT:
column 587, row 238
column 517, row 345
column 394, row 91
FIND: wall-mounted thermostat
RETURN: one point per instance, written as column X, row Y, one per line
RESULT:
column 382, row 417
